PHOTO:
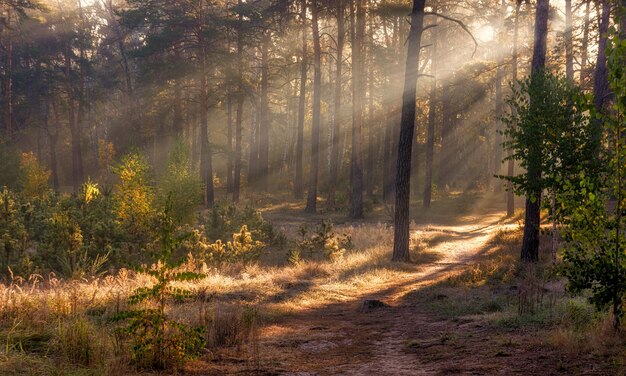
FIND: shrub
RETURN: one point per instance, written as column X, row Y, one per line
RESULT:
column 34, row 177
column 157, row 341
column 323, row 240
column 182, row 183
column 226, row 219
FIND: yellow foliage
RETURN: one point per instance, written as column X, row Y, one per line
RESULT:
column 34, row 176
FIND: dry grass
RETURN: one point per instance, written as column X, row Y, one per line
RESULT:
column 49, row 324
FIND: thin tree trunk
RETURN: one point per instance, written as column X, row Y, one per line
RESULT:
column 9, row 75
column 311, row 205
column 532, row 220
column 432, row 118
column 407, row 128
column 334, row 153
column 239, row 115
column 264, row 126
column 510, row 195
column 569, row 43
column 357, row 20
column 600, row 78
column 299, row 183
column 206, row 165
column 229, row 143
column 53, row 138
column 371, row 126
column 585, row 47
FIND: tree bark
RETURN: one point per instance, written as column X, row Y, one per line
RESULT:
column 9, row 74
column 532, row 220
column 510, row 195
column 299, row 183
column 569, row 43
column 600, row 80
column 264, row 126
column 206, row 164
column 407, row 128
column 311, row 205
column 357, row 20
column 585, row 47
column 334, row 152
column 239, row 111
column 432, row 118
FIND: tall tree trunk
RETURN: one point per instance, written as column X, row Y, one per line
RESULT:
column 264, row 126
column 357, row 20
column 510, row 195
column 371, row 123
column 239, row 115
column 497, row 163
column 432, row 118
column 9, row 75
column 407, row 128
column 74, row 134
column 53, row 138
column 229, row 143
column 532, row 220
column 311, row 205
column 334, row 153
column 569, row 42
column 206, row 163
column 299, row 183
column 585, row 46
column 600, row 81
column 445, row 153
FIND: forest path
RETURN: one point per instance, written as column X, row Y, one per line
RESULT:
column 342, row 339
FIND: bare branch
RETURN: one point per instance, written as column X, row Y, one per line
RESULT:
column 458, row 22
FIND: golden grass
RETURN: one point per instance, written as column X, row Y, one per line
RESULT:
column 69, row 318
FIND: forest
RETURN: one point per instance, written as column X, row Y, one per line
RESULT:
column 312, row 187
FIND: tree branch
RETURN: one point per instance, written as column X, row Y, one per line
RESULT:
column 458, row 22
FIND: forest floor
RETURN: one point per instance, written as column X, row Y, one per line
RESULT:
column 457, row 312
column 463, row 306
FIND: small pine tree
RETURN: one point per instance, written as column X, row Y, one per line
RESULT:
column 159, row 342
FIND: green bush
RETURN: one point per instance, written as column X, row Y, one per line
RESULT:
column 182, row 183
column 226, row 219
column 158, row 342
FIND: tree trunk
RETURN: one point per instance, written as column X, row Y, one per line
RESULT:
column 371, row 126
column 299, row 183
column 311, row 205
column 600, row 80
column 407, row 128
column 532, row 220
column 9, row 76
column 432, row 118
column 53, row 138
column 510, row 195
column 569, row 43
column 357, row 20
column 334, row 151
column 264, row 126
column 239, row 115
column 206, row 164
column 585, row 47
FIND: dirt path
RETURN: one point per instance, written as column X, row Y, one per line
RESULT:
column 341, row 339
column 403, row 338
